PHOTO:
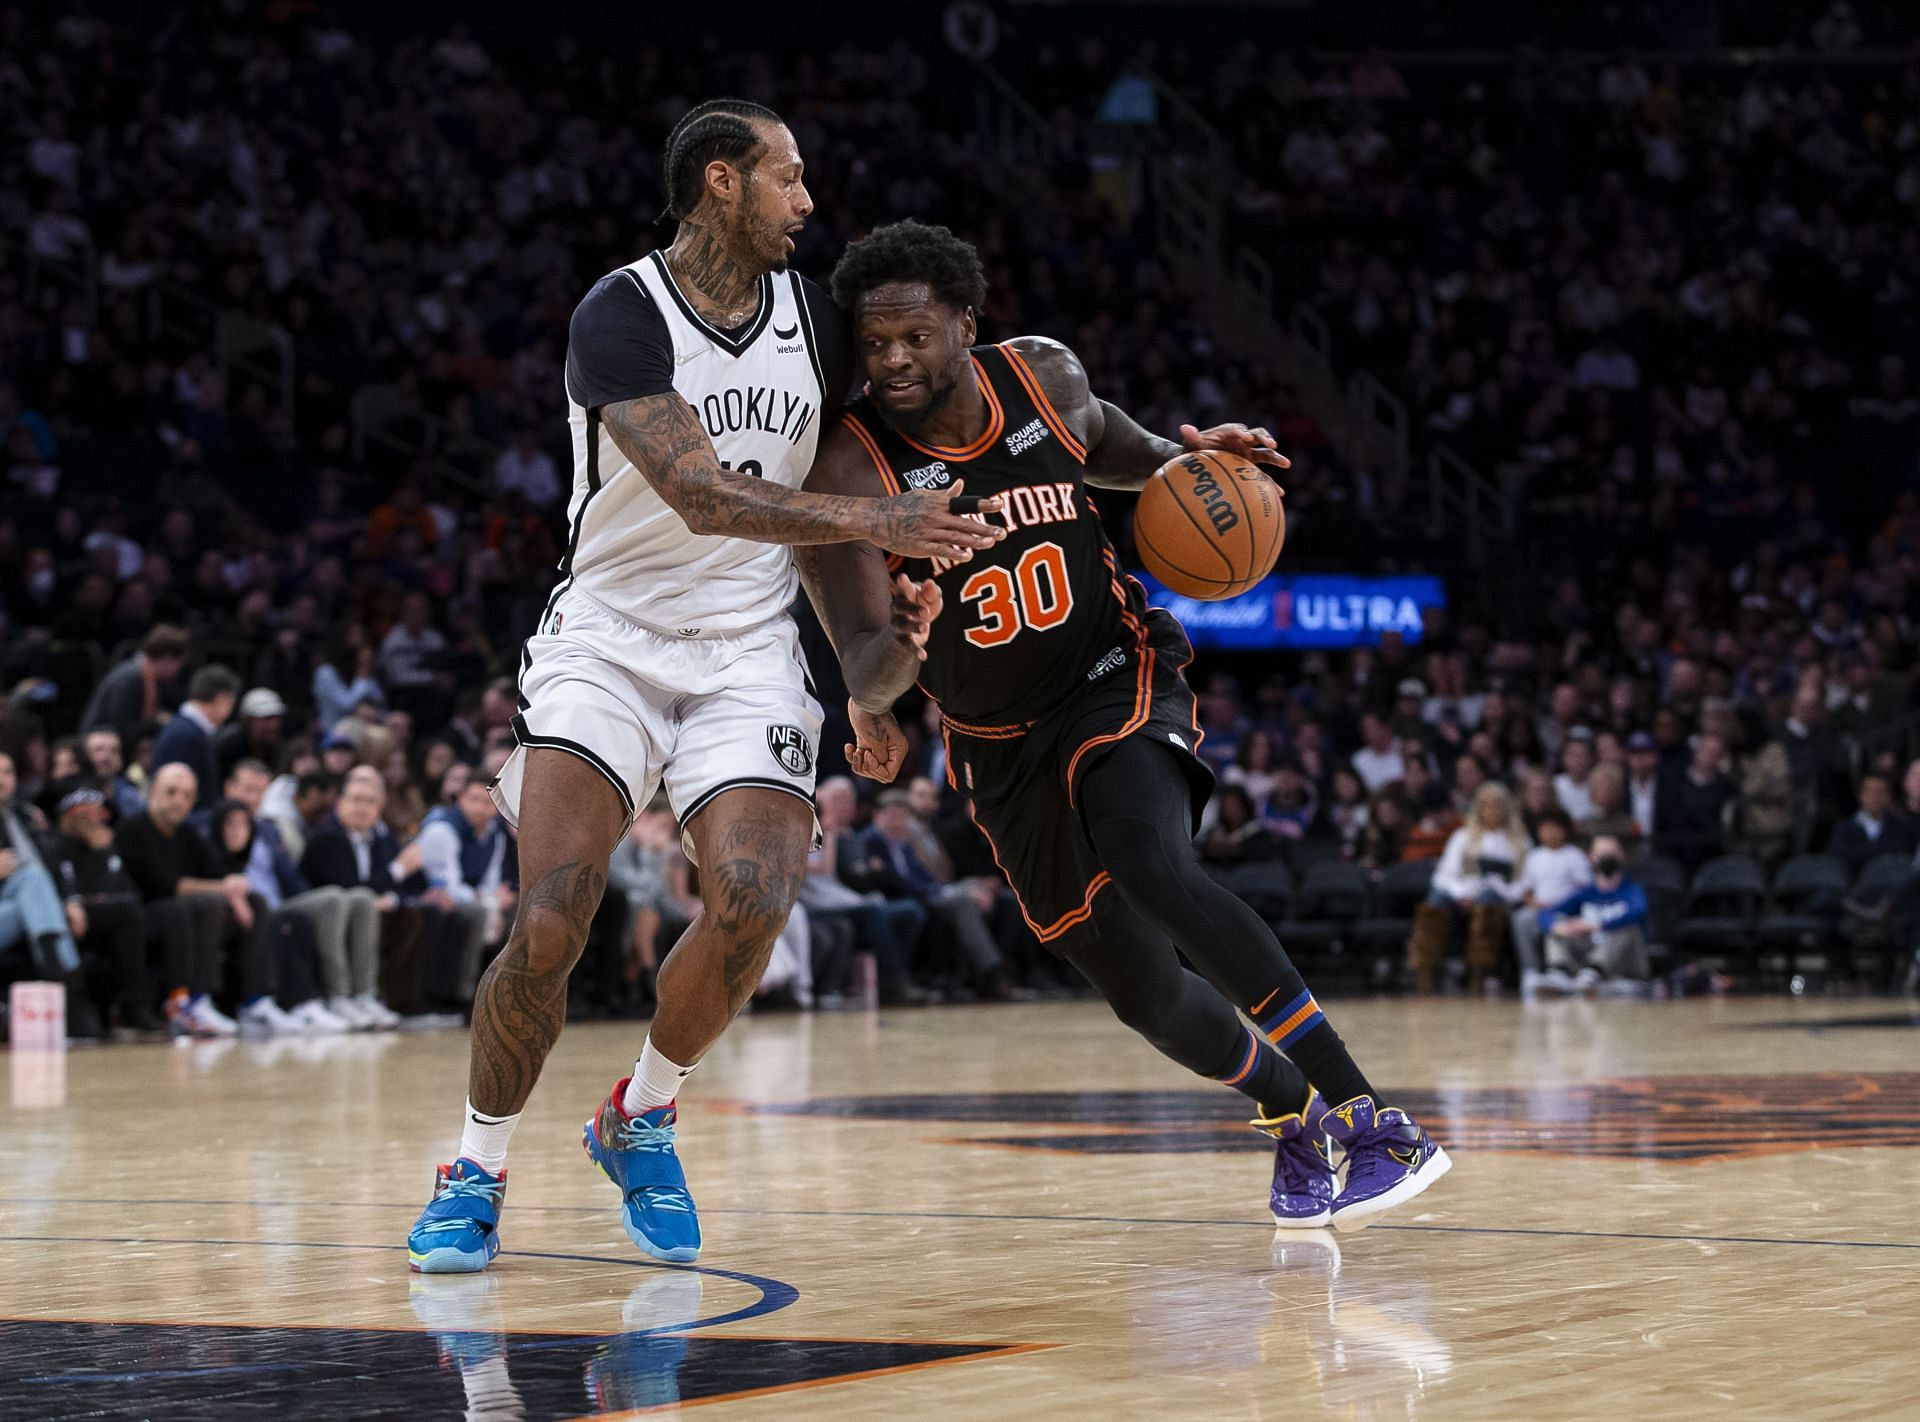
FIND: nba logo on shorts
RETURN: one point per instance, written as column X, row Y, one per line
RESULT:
column 790, row 748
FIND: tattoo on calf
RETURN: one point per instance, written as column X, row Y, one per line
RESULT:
column 521, row 1002
column 751, row 891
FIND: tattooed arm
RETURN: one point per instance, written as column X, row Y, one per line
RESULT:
column 664, row 439
column 1121, row 455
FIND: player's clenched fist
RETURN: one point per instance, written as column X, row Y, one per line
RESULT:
column 880, row 746
column 924, row 525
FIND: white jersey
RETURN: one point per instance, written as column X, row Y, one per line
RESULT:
column 760, row 392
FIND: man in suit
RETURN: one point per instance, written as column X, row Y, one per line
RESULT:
column 1873, row 829
column 188, row 737
column 353, row 849
column 128, row 696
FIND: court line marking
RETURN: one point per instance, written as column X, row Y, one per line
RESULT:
column 1505, row 1230
column 775, row 1294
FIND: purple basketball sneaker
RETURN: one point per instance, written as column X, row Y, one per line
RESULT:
column 1303, row 1180
column 1388, row 1160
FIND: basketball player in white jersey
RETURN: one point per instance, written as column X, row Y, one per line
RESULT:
column 698, row 380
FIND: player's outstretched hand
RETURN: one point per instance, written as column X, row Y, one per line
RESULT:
column 915, row 605
column 880, row 746
column 1253, row 445
column 924, row 525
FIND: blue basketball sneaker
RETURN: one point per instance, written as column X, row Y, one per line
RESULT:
column 459, row 1231
column 1303, row 1180
column 636, row 1153
column 1389, row 1160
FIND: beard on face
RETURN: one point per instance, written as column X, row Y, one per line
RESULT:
column 939, row 391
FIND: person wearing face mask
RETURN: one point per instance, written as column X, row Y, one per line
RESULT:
column 1596, row 937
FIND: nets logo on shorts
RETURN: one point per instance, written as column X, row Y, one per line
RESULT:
column 790, row 748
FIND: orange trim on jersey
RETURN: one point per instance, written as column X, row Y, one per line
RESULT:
column 987, row 733
column 873, row 452
column 1066, row 920
column 996, row 422
column 1042, row 403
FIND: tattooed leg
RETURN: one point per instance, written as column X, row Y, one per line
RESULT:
column 753, row 852
column 570, row 821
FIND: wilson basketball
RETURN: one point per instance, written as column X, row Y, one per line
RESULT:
column 1209, row 525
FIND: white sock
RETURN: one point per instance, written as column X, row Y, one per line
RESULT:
column 656, row 1081
column 483, row 1139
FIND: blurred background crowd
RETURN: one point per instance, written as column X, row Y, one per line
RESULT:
column 283, row 301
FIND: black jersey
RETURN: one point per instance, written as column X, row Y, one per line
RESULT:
column 1030, row 621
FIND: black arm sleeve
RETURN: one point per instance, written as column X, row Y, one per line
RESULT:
column 833, row 341
column 618, row 346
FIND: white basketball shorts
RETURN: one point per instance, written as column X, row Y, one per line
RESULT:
column 702, row 715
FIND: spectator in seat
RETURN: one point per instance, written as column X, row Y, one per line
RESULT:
column 188, row 738
column 230, row 833
column 1536, row 798
column 254, row 733
column 353, row 849
column 33, row 916
column 1643, row 782
column 467, row 856
column 1383, row 839
column 1347, row 810
column 1873, row 829
column 103, row 907
column 886, row 927
column 1570, row 786
column 199, row 915
column 1378, row 762
column 107, row 764
column 129, row 695
column 1694, row 805
column 1553, row 869
column 1908, row 805
column 1607, row 788
column 1471, row 885
column 525, row 468
column 410, row 657
column 1238, row 835
column 897, row 864
column 345, row 921
column 1596, row 938
column 639, row 871
column 345, row 679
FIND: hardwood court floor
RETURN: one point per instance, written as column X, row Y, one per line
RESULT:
column 1682, row 1210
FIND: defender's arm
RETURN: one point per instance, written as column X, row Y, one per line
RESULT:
column 664, row 440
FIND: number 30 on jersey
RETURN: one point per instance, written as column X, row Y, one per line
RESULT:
column 1033, row 593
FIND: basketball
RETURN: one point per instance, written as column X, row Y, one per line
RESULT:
column 1209, row 524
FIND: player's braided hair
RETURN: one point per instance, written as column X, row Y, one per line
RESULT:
column 911, row 251
column 719, row 128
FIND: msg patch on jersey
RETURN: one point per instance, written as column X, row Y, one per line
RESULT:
column 790, row 748
column 928, row 476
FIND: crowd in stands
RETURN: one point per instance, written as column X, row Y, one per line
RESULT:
column 257, row 636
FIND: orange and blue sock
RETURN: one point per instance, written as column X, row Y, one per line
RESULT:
column 1296, row 1025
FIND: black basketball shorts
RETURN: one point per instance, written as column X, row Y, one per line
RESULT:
column 1023, row 781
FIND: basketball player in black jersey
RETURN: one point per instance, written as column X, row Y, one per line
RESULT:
column 1068, row 724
